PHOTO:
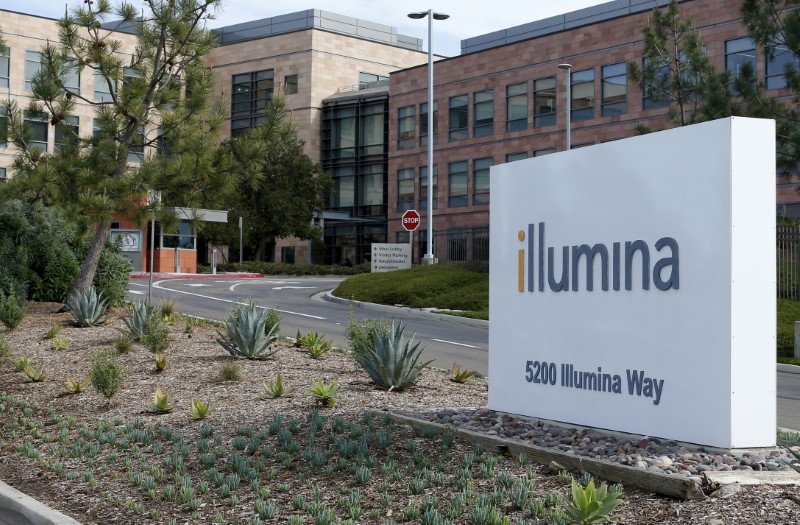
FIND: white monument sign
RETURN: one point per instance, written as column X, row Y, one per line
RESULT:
column 387, row 257
column 632, row 285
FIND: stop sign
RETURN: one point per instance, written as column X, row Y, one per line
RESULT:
column 411, row 220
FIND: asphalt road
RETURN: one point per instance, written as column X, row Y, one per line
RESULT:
column 297, row 298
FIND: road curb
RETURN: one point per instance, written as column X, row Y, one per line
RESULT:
column 791, row 369
column 417, row 312
column 237, row 275
column 17, row 508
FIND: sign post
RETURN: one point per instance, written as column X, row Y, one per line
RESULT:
column 410, row 222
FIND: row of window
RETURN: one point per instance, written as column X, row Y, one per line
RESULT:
column 613, row 98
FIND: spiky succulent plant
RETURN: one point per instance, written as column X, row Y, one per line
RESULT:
column 89, row 308
column 392, row 363
column 246, row 333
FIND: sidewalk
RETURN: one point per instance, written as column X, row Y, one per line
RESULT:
column 218, row 275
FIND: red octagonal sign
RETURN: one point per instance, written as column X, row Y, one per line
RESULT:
column 411, row 220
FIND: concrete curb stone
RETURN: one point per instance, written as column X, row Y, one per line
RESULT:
column 17, row 508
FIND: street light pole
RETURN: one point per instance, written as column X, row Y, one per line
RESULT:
column 568, row 69
column 428, row 258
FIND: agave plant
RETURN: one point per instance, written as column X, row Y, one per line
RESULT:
column 324, row 393
column 393, row 363
column 592, row 505
column 141, row 312
column 161, row 362
column 161, row 399
column 199, row 409
column 459, row 375
column 275, row 388
column 89, row 308
column 246, row 334
column 35, row 376
column 72, row 386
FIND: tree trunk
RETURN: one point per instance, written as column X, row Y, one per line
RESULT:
column 90, row 263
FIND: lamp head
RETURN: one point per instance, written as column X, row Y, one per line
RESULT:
column 421, row 14
column 565, row 66
column 440, row 16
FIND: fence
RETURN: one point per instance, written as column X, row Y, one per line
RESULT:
column 788, row 256
column 467, row 243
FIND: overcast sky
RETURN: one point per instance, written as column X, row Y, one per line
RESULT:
column 468, row 18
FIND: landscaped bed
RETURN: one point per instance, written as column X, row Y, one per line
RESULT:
column 274, row 460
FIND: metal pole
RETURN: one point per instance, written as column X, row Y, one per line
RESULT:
column 429, row 259
column 152, row 249
column 568, row 124
column 241, row 248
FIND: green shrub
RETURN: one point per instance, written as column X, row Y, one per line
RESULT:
column 788, row 313
column 89, row 308
column 247, row 334
column 156, row 334
column 12, row 310
column 361, row 333
column 123, row 344
column 113, row 275
column 273, row 323
column 5, row 348
column 107, row 373
column 268, row 268
column 230, row 371
column 391, row 362
column 140, row 314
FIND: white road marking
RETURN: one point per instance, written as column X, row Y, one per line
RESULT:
column 261, row 281
column 196, row 285
column 293, row 287
column 137, row 292
column 157, row 284
column 453, row 343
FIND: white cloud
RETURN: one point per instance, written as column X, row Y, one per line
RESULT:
column 468, row 18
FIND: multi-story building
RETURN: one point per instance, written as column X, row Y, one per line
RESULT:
column 308, row 56
column 504, row 99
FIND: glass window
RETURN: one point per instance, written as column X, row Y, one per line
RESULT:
column 511, row 157
column 615, row 89
column 287, row 254
column 370, row 187
column 402, row 237
column 406, row 128
column 544, row 102
column 164, row 145
column 405, row 189
column 738, row 53
column 3, row 175
column 372, row 130
column 3, row 127
column 39, row 128
column 368, row 80
column 517, row 107
column 33, row 62
column 459, row 117
column 423, row 122
column 655, row 98
column 777, row 64
column 290, row 84
column 457, row 184
column 343, row 194
column 66, row 132
column 542, row 152
column 4, row 68
column 480, row 180
column 423, row 187
column 251, row 92
column 72, row 77
column 483, row 113
column 582, row 87
column 136, row 151
column 102, row 91
column 581, row 145
column 344, row 133
column 183, row 239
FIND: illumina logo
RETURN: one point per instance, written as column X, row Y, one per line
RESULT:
column 622, row 263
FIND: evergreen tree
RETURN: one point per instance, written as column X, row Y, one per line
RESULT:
column 155, row 98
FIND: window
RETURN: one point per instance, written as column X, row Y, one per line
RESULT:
column 403, row 237
column 3, row 127
column 164, row 145
column 738, row 53
column 290, row 84
column 33, row 62
column 370, row 187
column 136, row 151
column 582, row 95
column 511, row 157
column 543, row 152
column 781, row 58
column 344, row 133
column 654, row 98
column 423, row 187
column 483, row 113
column 183, row 239
column 480, row 180
column 581, row 145
column 544, row 102
column 102, row 91
column 517, row 107
column 251, row 93
column 39, row 128
column 405, row 189
column 4, row 68
column 344, row 188
column 3, row 176
column 615, row 89
column 457, row 184
column 369, row 80
column 287, row 254
column 423, row 122
column 406, row 128
column 66, row 132
column 459, row 117
column 72, row 77
column 372, row 130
